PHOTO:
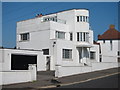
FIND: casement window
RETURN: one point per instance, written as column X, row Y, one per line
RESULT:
column 67, row 53
column 71, row 36
column 25, row 36
column 45, row 51
column 83, row 36
column 92, row 55
column 60, row 35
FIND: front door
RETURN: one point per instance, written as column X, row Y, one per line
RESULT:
column 48, row 63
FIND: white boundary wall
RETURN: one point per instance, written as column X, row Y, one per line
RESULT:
column 18, row 76
column 62, row 71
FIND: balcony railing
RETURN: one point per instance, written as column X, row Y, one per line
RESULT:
column 55, row 20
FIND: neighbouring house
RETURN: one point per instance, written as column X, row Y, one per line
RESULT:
column 109, row 45
column 64, row 37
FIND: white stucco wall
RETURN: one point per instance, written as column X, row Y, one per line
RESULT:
column 18, row 76
column 62, row 71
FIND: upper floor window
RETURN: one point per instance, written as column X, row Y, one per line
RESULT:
column 50, row 19
column 71, row 36
column 82, row 19
column 67, row 53
column 77, row 18
column 25, row 36
column 83, row 36
column 60, row 35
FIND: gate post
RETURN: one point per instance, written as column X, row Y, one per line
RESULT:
column 32, row 68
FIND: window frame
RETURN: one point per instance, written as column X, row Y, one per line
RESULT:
column 57, row 34
column 71, row 36
column 66, row 52
column 25, row 36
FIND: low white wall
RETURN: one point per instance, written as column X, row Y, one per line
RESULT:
column 18, row 76
column 104, row 65
column 62, row 71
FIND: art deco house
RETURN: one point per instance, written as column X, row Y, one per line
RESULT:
column 65, row 38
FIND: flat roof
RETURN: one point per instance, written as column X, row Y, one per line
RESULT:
column 58, row 12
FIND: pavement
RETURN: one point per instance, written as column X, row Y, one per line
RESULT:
column 46, row 80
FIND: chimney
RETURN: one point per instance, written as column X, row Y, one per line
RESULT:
column 112, row 26
column 39, row 15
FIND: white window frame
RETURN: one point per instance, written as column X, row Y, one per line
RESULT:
column 57, row 34
column 23, row 38
column 67, row 53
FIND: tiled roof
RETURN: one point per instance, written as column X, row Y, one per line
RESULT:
column 110, row 34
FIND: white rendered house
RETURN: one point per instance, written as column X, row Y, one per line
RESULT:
column 109, row 45
column 65, row 38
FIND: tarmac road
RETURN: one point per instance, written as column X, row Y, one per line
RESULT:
column 106, row 82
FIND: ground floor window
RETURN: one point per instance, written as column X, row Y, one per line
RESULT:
column 67, row 53
column 92, row 55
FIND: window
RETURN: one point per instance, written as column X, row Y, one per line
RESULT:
column 67, row 53
column 92, row 55
column 60, row 35
column 103, row 41
column 83, row 36
column 50, row 19
column 118, row 53
column 80, row 36
column 45, row 51
column 111, row 45
column 86, row 19
column 71, row 36
column 81, row 18
column 77, row 36
column 77, row 18
column 24, row 36
column 87, row 37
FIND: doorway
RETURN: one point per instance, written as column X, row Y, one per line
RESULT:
column 48, row 63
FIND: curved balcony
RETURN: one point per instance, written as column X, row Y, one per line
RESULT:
column 83, row 44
